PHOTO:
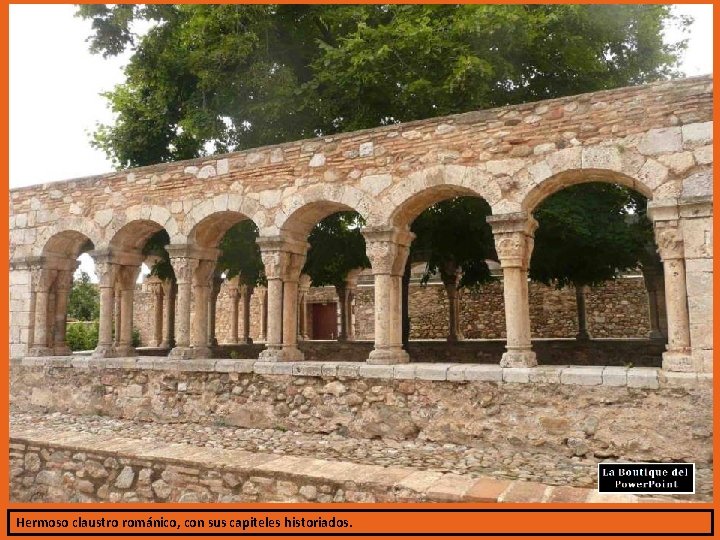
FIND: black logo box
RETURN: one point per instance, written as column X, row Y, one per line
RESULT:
column 642, row 478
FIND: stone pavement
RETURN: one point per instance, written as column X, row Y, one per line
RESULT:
column 472, row 463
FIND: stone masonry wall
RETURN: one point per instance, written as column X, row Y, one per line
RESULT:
column 638, row 414
column 616, row 309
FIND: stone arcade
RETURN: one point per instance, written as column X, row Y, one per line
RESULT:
column 656, row 139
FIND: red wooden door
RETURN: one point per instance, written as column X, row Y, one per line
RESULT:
column 324, row 321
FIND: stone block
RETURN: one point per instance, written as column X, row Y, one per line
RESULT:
column 376, row 371
column 307, row 369
column 524, row 492
column 567, row 494
column 516, row 374
column 432, row 372
column 661, row 141
column 614, row 376
column 484, row 372
column 584, row 376
column 404, row 371
column 697, row 134
column 545, row 374
column 419, row 481
column 678, row 379
column 450, row 488
column 643, row 377
column 487, row 490
column 456, row 372
column 349, row 369
column 282, row 368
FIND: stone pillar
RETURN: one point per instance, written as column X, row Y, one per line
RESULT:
column 263, row 314
column 290, row 351
column 63, row 285
column 275, row 262
column 202, row 287
column 303, row 289
column 168, row 338
column 117, row 313
column 342, row 294
column 107, row 272
column 155, row 286
column 678, row 356
column 184, row 267
column 234, row 302
column 514, row 240
column 42, row 280
column 652, row 276
column 351, row 283
column 246, row 293
column 216, row 283
column 127, row 276
column 387, row 250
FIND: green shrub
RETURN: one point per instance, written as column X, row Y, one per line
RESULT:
column 82, row 336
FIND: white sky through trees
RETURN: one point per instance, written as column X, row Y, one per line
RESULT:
column 55, row 86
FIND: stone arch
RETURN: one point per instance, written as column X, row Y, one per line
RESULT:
column 158, row 215
column 609, row 163
column 420, row 190
column 300, row 212
column 133, row 235
column 68, row 244
column 210, row 230
column 64, row 234
column 227, row 205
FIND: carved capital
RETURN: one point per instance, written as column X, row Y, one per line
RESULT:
column 304, row 283
column 275, row 262
column 127, row 276
column 184, row 268
column 204, row 273
column 107, row 272
column 670, row 243
column 388, row 249
column 64, row 280
column 514, row 238
column 42, row 278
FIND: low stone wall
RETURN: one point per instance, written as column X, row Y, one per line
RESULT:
column 49, row 467
column 638, row 414
column 616, row 309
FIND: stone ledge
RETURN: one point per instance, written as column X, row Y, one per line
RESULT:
column 631, row 377
column 386, row 483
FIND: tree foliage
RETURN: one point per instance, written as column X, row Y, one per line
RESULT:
column 84, row 300
column 453, row 235
column 241, row 255
column 588, row 233
column 336, row 247
column 215, row 78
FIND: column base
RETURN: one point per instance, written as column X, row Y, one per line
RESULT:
column 201, row 352
column 166, row 345
column 181, row 353
column 62, row 350
column 518, row 358
column 582, row 336
column 40, row 351
column 677, row 361
column 247, row 341
column 123, row 351
column 288, row 354
column 656, row 335
column 394, row 355
column 104, row 351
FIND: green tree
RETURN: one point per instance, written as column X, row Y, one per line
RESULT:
column 454, row 240
column 588, row 234
column 84, row 300
column 215, row 78
column 241, row 255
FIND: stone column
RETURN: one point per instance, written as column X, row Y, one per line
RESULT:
column 514, row 239
column 653, row 284
column 168, row 338
column 234, row 304
column 246, row 293
column 155, row 287
column 342, row 294
column 42, row 280
column 387, row 250
column 216, row 283
column 63, row 285
column 184, row 267
column 303, row 289
column 263, row 314
column 351, row 283
column 290, row 352
column 678, row 356
column 107, row 272
column 202, row 287
column 127, row 276
column 117, row 313
column 275, row 262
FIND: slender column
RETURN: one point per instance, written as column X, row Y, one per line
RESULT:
column 215, row 285
column 168, row 338
column 290, row 352
column 107, row 272
column 651, row 276
column 303, row 289
column 246, row 296
column 117, row 312
column 42, row 280
column 184, row 267
column 202, row 288
column 127, row 278
column 580, row 294
column 514, row 239
column 387, row 250
column 62, row 293
column 342, row 294
column 263, row 314
column 671, row 248
column 234, row 302
column 275, row 262
column 158, row 319
column 351, row 281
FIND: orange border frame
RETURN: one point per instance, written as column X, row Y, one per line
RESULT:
column 553, row 519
